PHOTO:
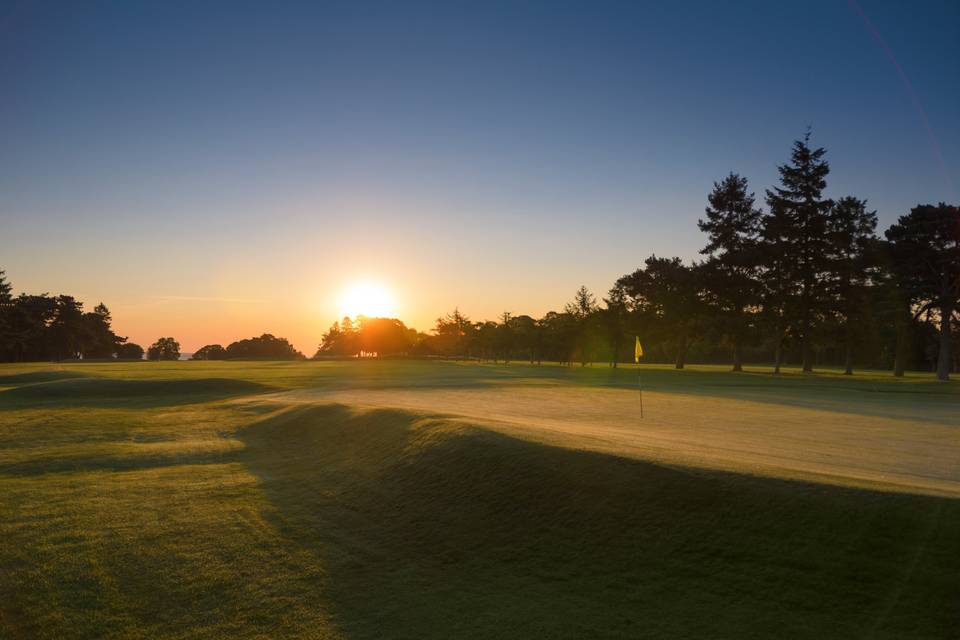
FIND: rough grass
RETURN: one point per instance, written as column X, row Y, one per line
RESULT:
column 226, row 512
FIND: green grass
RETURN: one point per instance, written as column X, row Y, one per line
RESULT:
column 246, row 500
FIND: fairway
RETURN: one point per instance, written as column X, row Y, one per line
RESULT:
column 412, row 499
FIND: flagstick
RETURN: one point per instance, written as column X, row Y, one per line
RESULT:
column 640, row 386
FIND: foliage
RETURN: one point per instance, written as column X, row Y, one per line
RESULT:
column 368, row 337
column 805, row 280
column 164, row 349
column 130, row 351
column 44, row 327
column 210, row 352
column 926, row 252
column 805, row 215
column 730, row 274
column 266, row 347
column 667, row 292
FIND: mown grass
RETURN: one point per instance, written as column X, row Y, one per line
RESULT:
column 143, row 501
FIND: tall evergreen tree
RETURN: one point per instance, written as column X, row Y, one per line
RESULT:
column 99, row 340
column 732, row 226
column 852, row 267
column 66, row 330
column 582, row 309
column 799, row 200
column 6, row 289
column 776, row 288
column 453, row 332
column 6, row 318
column 504, row 337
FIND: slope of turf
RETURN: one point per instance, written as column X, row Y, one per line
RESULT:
column 430, row 528
column 181, row 501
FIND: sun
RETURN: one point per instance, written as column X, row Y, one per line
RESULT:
column 366, row 298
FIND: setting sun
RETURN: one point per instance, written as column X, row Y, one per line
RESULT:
column 366, row 298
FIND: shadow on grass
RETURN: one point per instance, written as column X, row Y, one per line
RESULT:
column 429, row 528
column 33, row 377
column 86, row 463
column 115, row 393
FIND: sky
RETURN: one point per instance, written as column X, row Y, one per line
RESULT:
column 217, row 170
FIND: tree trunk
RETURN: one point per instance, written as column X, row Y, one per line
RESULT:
column 900, row 355
column 807, row 355
column 848, row 347
column 681, row 353
column 778, row 352
column 943, row 357
column 737, row 364
column 848, row 361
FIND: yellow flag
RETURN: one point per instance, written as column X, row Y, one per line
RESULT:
column 637, row 351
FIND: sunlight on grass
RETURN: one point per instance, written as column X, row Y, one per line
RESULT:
column 215, row 500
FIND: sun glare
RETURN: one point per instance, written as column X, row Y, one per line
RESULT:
column 366, row 298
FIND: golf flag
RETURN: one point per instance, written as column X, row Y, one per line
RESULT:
column 637, row 351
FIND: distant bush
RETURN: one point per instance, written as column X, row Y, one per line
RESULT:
column 130, row 351
column 164, row 349
column 266, row 347
column 210, row 352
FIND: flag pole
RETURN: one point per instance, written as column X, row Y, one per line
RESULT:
column 640, row 387
column 637, row 354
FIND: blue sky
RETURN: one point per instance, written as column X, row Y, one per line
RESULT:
column 220, row 169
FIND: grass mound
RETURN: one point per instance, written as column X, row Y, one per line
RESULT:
column 430, row 528
column 108, row 392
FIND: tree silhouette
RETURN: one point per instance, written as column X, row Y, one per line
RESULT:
column 732, row 226
column 852, row 262
column 164, row 349
column 210, row 352
column 800, row 205
column 6, row 289
column 926, row 252
column 129, row 351
column 265, row 347
column 668, row 291
column 581, row 311
column 615, row 320
column 453, row 332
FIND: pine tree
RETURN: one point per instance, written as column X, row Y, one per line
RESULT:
column 733, row 227
column 582, row 308
column 776, row 287
column 6, row 289
column 852, row 264
column 799, row 201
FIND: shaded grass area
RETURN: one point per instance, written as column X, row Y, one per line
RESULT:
column 73, row 391
column 149, row 503
column 429, row 528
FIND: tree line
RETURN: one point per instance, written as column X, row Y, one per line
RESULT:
column 45, row 327
column 807, row 280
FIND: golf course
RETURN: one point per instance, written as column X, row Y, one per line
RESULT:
column 440, row 499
